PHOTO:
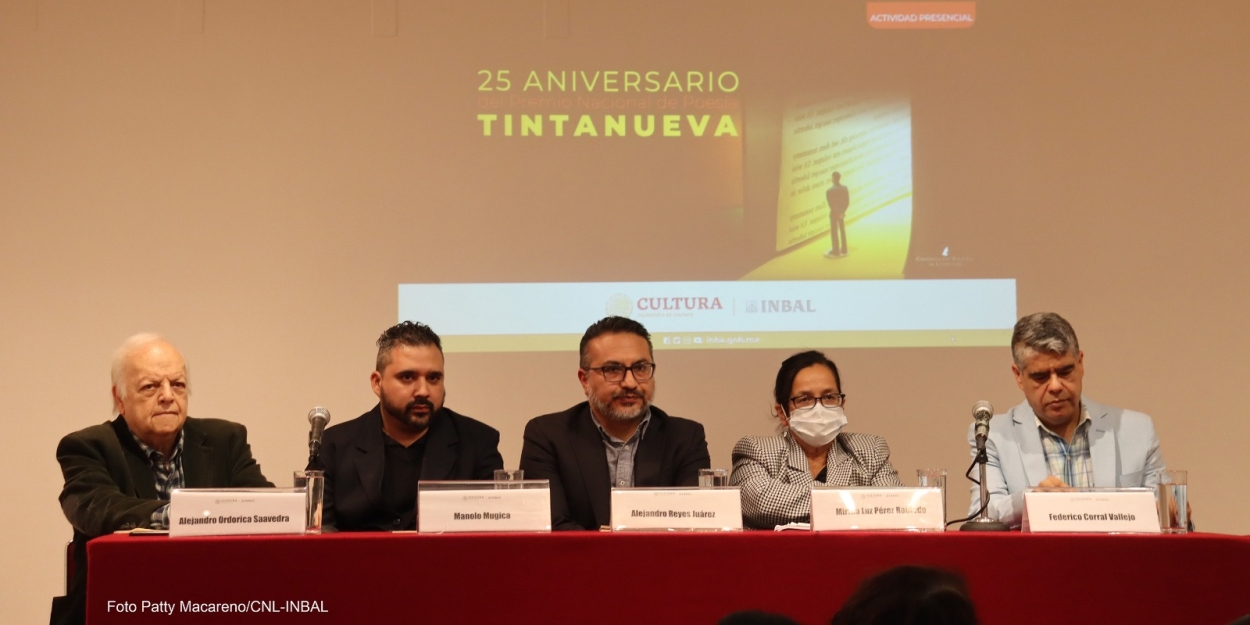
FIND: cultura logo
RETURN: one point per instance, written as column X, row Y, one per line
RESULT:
column 679, row 303
column 619, row 305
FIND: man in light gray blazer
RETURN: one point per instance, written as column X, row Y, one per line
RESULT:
column 1057, row 438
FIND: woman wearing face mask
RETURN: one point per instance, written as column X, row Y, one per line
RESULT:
column 776, row 473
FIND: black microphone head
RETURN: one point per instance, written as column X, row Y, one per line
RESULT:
column 318, row 413
column 982, row 410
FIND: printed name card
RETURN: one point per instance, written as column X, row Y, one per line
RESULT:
column 483, row 506
column 1100, row 510
column 677, row 509
column 236, row 511
column 877, row 508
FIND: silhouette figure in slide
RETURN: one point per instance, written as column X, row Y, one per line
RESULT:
column 839, row 198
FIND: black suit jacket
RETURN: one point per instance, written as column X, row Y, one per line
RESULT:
column 109, row 486
column 567, row 449
column 353, row 457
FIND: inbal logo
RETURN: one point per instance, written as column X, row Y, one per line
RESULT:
column 780, row 306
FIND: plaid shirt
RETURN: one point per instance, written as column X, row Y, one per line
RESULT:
column 621, row 453
column 168, row 475
column 1069, row 461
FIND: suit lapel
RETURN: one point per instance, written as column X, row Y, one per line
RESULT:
column 440, row 450
column 142, row 481
column 1101, row 445
column 1031, row 454
column 141, row 478
column 370, row 458
column 197, row 458
column 797, row 471
column 593, row 462
column 840, row 464
column 649, row 458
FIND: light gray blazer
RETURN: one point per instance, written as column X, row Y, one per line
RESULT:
column 777, row 485
column 1122, row 446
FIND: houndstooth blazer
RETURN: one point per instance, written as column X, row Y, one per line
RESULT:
column 777, row 485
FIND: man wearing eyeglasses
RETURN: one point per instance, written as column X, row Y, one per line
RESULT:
column 615, row 438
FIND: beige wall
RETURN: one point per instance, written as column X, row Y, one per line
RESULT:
column 257, row 190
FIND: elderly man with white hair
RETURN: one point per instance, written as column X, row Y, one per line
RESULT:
column 119, row 475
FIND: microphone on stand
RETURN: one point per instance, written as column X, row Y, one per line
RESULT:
column 982, row 411
column 318, row 417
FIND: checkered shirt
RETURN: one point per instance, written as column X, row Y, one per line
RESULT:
column 1069, row 461
column 168, row 475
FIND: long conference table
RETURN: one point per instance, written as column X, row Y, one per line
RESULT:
column 653, row 578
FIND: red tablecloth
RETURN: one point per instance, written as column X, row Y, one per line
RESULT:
column 1198, row 579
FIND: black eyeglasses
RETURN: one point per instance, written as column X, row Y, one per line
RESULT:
column 615, row 373
column 830, row 400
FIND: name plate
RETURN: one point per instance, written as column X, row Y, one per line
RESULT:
column 236, row 511
column 1097, row 510
column 483, row 506
column 677, row 509
column 877, row 508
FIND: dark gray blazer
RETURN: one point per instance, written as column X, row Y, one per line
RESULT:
column 567, row 448
column 109, row 486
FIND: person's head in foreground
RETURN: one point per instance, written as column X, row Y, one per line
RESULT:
column 909, row 595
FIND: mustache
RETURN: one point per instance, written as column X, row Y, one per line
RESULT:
column 620, row 394
column 420, row 401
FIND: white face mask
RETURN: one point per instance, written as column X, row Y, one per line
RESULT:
column 817, row 426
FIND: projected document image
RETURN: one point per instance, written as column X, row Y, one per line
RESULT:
column 844, row 201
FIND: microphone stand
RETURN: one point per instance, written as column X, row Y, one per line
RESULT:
column 983, row 522
column 314, row 452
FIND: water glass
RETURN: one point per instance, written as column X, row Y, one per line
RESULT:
column 314, row 485
column 713, row 478
column 504, row 476
column 933, row 478
column 1173, row 502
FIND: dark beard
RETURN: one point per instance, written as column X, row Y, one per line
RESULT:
column 404, row 414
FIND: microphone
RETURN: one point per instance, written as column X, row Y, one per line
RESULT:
column 982, row 411
column 318, row 417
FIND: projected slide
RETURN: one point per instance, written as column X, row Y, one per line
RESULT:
column 725, row 200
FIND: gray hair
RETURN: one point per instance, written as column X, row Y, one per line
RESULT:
column 1043, row 332
column 121, row 358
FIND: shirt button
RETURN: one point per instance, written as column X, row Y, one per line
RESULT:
column 621, row 483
